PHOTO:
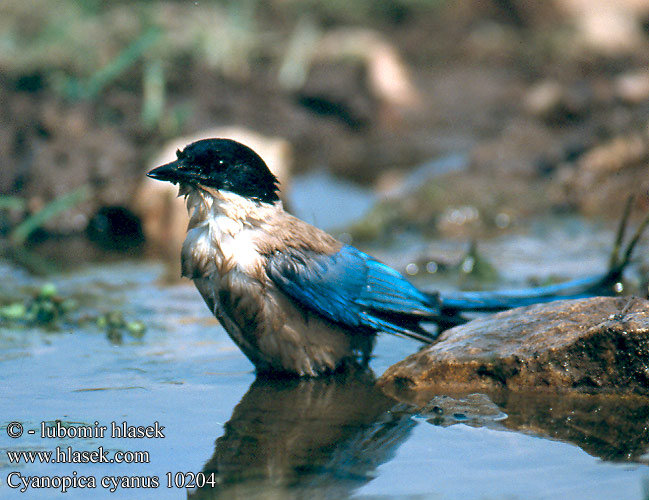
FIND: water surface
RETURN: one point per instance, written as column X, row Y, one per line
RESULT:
column 331, row 438
column 337, row 437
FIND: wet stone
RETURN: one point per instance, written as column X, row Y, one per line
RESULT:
column 594, row 345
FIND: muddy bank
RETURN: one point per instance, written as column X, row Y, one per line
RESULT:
column 494, row 81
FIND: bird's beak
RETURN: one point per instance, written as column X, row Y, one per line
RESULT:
column 168, row 172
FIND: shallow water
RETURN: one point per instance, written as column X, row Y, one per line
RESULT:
column 330, row 438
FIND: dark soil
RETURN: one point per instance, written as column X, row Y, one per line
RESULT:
column 478, row 69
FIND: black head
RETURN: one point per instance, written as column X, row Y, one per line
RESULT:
column 222, row 164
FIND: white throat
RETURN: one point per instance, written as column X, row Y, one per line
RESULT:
column 223, row 232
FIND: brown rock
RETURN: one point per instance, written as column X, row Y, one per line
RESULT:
column 606, row 27
column 388, row 75
column 632, row 87
column 606, row 174
column 595, row 345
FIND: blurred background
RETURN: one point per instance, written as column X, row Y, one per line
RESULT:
column 447, row 119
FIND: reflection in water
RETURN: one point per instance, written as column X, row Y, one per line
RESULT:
column 314, row 438
column 325, row 438
column 610, row 427
column 614, row 428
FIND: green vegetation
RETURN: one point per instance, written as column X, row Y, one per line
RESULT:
column 114, row 324
column 475, row 271
column 46, row 308
column 22, row 231
column 14, row 246
column 81, row 47
column 12, row 203
column 90, row 88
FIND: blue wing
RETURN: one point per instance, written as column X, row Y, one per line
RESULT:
column 353, row 289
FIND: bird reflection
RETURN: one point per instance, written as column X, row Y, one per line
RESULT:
column 311, row 438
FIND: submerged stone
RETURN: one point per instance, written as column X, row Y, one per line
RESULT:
column 594, row 345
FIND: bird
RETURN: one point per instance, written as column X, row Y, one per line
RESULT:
column 294, row 299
